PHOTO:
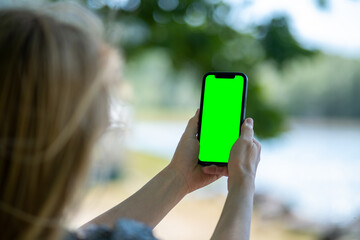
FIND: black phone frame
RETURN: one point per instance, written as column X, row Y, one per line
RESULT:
column 243, row 107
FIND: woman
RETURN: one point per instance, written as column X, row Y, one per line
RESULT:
column 54, row 105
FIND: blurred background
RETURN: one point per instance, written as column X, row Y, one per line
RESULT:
column 303, row 63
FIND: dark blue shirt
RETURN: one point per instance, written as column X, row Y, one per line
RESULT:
column 125, row 229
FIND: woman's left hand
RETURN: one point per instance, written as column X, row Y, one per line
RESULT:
column 185, row 160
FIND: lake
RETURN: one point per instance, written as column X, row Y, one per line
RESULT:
column 314, row 167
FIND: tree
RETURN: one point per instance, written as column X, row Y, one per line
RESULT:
column 197, row 37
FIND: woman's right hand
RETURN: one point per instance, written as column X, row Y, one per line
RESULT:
column 235, row 219
column 244, row 158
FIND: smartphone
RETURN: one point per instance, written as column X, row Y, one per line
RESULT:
column 222, row 112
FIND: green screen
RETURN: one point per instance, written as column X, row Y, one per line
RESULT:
column 221, row 117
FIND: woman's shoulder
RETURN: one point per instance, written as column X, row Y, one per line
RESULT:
column 125, row 229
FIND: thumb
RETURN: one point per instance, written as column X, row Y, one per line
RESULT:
column 247, row 130
column 192, row 126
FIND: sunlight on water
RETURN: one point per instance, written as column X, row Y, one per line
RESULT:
column 315, row 168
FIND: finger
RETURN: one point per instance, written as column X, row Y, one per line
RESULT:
column 192, row 126
column 247, row 130
column 216, row 170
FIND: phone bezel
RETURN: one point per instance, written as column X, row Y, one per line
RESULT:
column 243, row 107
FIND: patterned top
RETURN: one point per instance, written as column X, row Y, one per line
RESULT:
column 125, row 229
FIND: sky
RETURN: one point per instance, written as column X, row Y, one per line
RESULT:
column 335, row 29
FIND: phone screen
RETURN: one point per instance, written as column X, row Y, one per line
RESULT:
column 222, row 112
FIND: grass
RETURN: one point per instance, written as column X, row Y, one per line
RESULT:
column 145, row 165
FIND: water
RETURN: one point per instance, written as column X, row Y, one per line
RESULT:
column 314, row 167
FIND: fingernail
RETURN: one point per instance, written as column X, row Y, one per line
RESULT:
column 250, row 121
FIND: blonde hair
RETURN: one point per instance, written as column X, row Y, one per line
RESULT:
column 53, row 105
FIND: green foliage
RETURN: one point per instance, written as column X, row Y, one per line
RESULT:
column 279, row 44
column 323, row 4
column 324, row 86
column 198, row 38
column 269, row 121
